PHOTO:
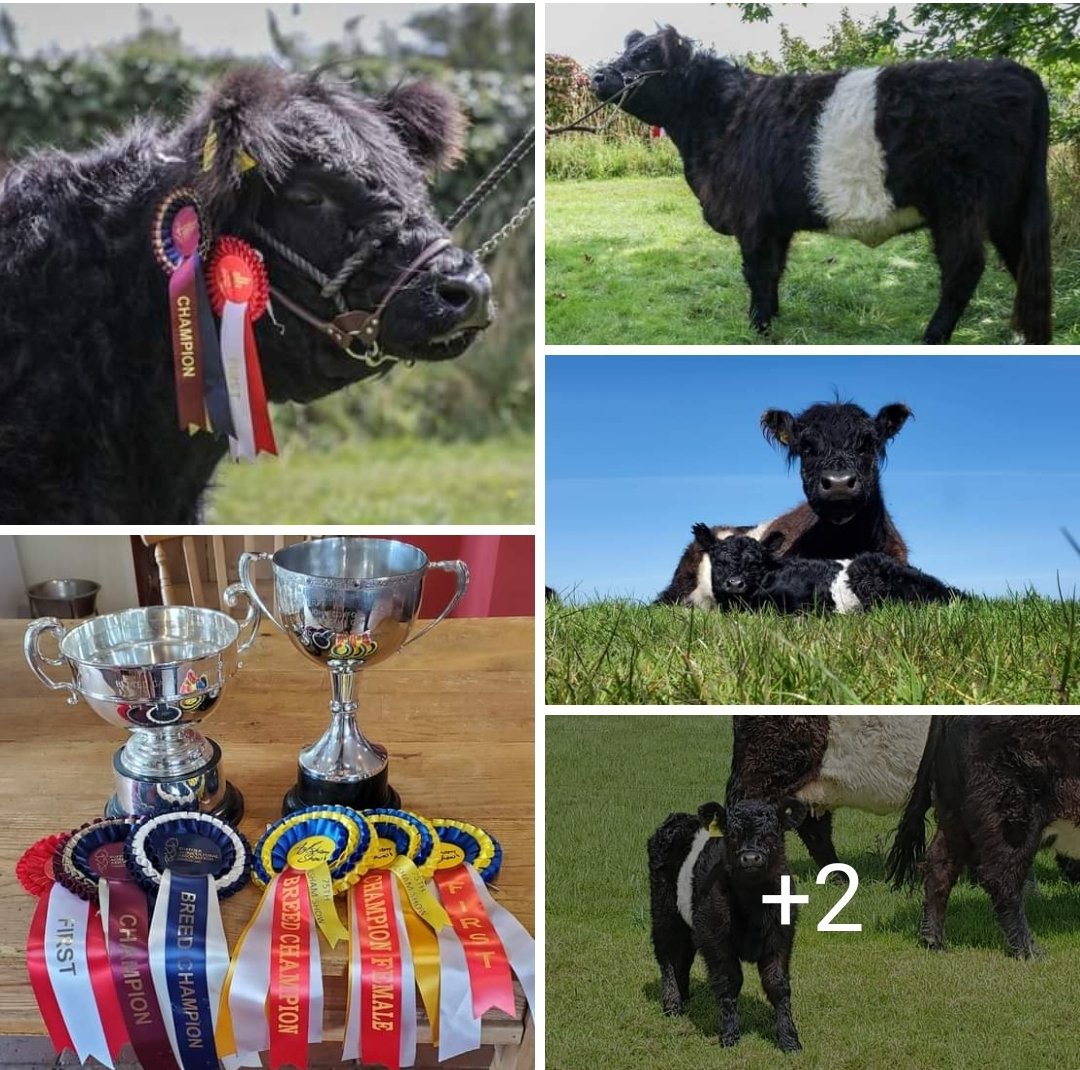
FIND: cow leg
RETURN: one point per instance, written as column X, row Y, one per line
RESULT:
column 1004, row 877
column 959, row 251
column 816, row 833
column 764, row 257
column 1005, row 235
column 945, row 859
column 776, row 983
column 675, row 956
column 726, row 977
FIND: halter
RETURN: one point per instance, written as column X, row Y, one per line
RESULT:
column 349, row 325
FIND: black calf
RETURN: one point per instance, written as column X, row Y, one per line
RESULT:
column 707, row 876
column 746, row 572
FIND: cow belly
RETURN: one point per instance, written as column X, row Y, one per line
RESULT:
column 1068, row 837
column 684, row 884
column 869, row 763
column 847, row 166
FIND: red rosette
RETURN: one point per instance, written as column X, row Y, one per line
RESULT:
column 35, row 869
column 236, row 273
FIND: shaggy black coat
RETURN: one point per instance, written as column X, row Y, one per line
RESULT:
column 88, row 426
column 746, row 573
column 739, row 863
column 965, row 144
column 841, row 449
column 997, row 785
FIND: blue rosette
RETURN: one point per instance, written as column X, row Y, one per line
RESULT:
column 468, row 843
column 92, row 853
column 191, row 844
column 345, row 836
column 413, row 835
column 163, row 239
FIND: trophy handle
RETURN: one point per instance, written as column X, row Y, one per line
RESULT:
column 37, row 659
column 251, row 618
column 247, row 559
column 462, row 571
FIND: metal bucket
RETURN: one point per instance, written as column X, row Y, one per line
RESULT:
column 63, row 598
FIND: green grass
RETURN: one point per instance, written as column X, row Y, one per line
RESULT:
column 1018, row 650
column 862, row 1001
column 630, row 261
column 384, row 481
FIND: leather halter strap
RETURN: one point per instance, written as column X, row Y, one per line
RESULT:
column 362, row 324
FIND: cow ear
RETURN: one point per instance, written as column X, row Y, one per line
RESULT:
column 890, row 419
column 430, row 122
column 793, row 812
column 778, row 426
column 713, row 817
column 677, row 49
column 632, row 39
column 773, row 541
column 704, row 537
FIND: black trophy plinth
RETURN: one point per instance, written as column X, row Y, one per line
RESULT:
column 364, row 794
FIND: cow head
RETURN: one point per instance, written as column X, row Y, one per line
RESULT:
column 635, row 79
column 754, row 833
column 839, row 447
column 339, row 179
column 739, row 564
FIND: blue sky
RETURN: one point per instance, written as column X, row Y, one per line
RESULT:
column 980, row 482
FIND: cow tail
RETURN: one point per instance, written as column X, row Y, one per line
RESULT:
column 1034, row 286
column 909, row 846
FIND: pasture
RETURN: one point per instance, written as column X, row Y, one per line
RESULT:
column 382, row 481
column 630, row 261
column 861, row 1000
column 1023, row 649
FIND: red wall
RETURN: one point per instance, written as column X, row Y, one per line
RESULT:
column 502, row 581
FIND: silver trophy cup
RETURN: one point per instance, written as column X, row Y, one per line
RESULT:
column 346, row 604
column 157, row 672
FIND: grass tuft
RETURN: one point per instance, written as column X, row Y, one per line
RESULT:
column 1015, row 650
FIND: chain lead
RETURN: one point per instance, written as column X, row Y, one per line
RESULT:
column 505, row 231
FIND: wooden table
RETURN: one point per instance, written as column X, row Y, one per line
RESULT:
column 456, row 712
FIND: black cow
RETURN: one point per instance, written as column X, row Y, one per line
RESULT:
column 840, row 448
column 959, row 147
column 746, row 573
column 707, row 876
column 865, row 762
column 1000, row 788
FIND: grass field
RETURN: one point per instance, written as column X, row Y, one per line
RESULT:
column 1019, row 650
column 630, row 261
column 862, row 1001
column 385, row 481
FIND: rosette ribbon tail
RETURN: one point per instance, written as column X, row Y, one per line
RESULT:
column 187, row 340
column 291, row 967
column 234, row 328
column 101, row 979
column 189, row 959
column 485, row 956
column 58, row 961
column 519, row 945
column 215, row 386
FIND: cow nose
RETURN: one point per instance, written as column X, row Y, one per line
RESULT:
column 469, row 296
column 751, row 859
column 735, row 583
column 839, row 484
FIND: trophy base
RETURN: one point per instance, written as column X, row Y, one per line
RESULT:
column 358, row 794
column 230, row 809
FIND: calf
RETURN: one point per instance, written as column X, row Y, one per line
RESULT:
column 959, row 147
column 840, row 448
column 1000, row 788
column 825, row 763
column 747, row 573
column 707, row 876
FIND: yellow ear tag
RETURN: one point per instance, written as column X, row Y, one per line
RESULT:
column 209, row 147
column 245, row 161
column 714, row 828
column 784, row 437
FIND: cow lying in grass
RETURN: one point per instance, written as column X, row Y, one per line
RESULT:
column 746, row 573
column 840, row 448
column 707, row 875
column 1000, row 788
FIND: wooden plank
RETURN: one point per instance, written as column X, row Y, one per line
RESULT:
column 456, row 712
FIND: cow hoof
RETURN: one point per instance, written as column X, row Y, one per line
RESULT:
column 673, row 1010
column 1032, row 953
column 730, row 1040
column 790, row 1044
column 932, row 943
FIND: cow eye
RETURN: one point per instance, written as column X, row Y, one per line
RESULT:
column 305, row 196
